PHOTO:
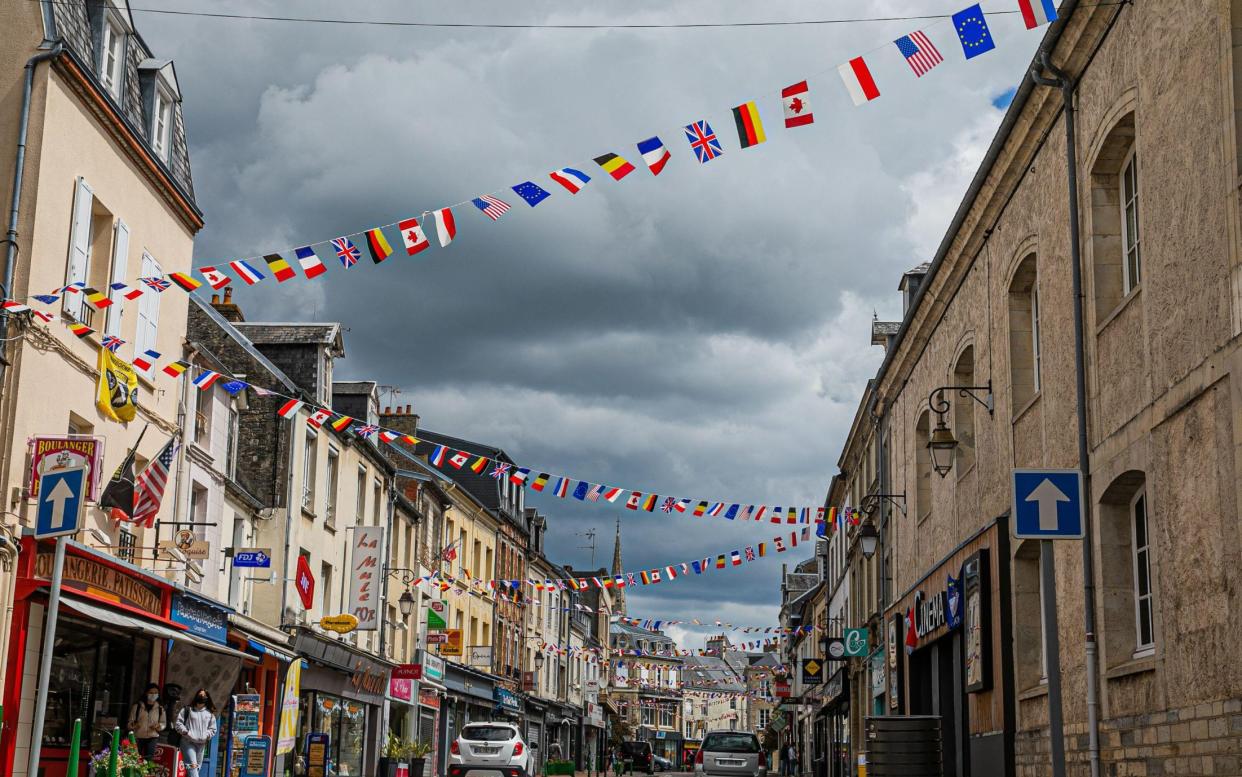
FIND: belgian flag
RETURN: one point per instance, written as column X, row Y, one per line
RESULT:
column 279, row 267
column 614, row 165
column 749, row 125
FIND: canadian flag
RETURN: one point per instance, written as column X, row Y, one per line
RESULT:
column 413, row 236
column 459, row 459
column 797, row 105
column 215, row 278
column 318, row 417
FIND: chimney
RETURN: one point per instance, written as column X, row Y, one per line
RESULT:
column 400, row 419
column 911, row 280
column 231, row 311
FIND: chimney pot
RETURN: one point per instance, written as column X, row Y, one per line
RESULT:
column 228, row 293
column 407, row 409
column 215, row 299
column 387, row 410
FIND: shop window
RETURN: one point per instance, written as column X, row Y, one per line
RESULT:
column 964, row 412
column 1024, row 347
column 1028, row 606
column 1115, row 247
column 1127, row 570
column 345, row 723
column 923, row 467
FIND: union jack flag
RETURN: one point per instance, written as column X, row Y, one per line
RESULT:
column 366, row 432
column 157, row 284
column 112, row 343
column 501, row 470
column 750, row 553
column 668, row 505
column 703, row 141
column 346, row 250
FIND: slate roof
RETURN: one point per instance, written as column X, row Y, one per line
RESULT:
column 765, row 659
column 710, row 673
column 482, row 486
column 293, row 333
column 353, row 386
column 244, row 342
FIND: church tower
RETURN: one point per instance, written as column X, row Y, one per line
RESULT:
column 618, row 605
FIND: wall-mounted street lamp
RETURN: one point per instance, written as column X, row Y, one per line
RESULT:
column 871, row 503
column 868, row 539
column 942, row 444
column 406, row 604
column 539, row 659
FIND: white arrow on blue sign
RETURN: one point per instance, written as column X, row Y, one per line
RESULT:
column 60, row 503
column 1048, row 504
column 255, row 558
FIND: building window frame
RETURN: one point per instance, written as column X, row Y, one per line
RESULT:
column 1131, row 230
column 310, row 456
column 161, row 120
column 112, row 37
column 1036, row 355
column 1144, row 595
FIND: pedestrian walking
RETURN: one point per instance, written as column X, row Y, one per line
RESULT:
column 147, row 720
column 196, row 723
column 791, row 760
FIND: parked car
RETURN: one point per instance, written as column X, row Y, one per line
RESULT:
column 730, row 754
column 661, row 764
column 490, row 747
column 638, row 756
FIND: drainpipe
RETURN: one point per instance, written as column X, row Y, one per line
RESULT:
column 285, row 576
column 1062, row 81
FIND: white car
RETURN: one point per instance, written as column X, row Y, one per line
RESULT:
column 494, row 748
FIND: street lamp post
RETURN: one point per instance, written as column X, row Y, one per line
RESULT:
column 942, row 444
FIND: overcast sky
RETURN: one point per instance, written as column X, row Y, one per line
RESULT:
column 702, row 334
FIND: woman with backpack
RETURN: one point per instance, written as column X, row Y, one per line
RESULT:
column 147, row 720
column 196, row 723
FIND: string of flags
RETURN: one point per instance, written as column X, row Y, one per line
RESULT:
column 650, row 624
column 916, row 48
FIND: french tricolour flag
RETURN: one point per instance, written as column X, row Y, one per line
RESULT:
column 1036, row 13
column 654, row 154
column 858, row 81
column 573, row 180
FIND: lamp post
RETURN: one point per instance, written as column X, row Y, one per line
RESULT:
column 942, row 444
column 868, row 539
column 406, row 604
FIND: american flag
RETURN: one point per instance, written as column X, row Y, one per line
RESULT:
column 492, row 207
column 346, row 250
column 919, row 52
column 149, row 487
column 157, row 284
column 112, row 343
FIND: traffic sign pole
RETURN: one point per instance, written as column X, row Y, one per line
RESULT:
column 45, row 660
column 1052, row 657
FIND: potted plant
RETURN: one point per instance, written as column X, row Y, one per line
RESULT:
column 416, row 754
column 394, row 749
column 129, row 762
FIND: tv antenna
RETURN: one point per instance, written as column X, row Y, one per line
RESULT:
column 590, row 543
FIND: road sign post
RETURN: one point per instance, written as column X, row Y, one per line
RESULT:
column 45, row 660
column 1048, row 505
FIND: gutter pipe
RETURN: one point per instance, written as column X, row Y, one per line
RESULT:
column 1062, row 81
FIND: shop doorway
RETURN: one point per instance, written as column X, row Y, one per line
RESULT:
column 937, row 688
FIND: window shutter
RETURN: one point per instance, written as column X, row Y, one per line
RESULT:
column 148, row 309
column 79, row 245
column 120, row 256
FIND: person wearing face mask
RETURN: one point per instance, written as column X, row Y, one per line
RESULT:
column 197, row 725
column 147, row 720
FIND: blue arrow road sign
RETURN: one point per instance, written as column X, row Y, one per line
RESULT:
column 1048, row 504
column 255, row 558
column 60, row 503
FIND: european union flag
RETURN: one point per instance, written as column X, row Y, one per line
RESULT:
column 531, row 192
column 580, row 491
column 972, row 31
column 234, row 386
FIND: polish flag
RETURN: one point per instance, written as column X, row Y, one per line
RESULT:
column 797, row 105
column 445, row 226
column 858, row 81
column 412, row 235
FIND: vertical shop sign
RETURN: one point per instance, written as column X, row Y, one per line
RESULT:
column 364, row 582
column 289, row 709
column 976, row 622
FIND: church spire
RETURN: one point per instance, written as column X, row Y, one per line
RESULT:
column 618, row 605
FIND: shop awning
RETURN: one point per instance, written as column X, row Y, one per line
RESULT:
column 131, row 623
column 260, row 646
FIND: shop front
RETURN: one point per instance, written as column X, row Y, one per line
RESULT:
column 594, row 737
column 428, row 671
column 118, row 629
column 342, row 697
column 468, row 697
column 832, row 725
column 951, row 624
column 275, row 675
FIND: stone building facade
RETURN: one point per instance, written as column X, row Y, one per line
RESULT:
column 1156, row 142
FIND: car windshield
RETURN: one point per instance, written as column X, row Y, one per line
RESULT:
column 487, row 733
column 731, row 743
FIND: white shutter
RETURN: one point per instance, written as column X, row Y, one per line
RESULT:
column 120, row 258
column 79, row 245
column 148, row 310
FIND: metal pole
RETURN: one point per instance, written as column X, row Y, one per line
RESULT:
column 45, row 660
column 1052, row 657
column 114, row 757
column 75, row 747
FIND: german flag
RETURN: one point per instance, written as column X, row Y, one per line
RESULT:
column 81, row 330
column 649, row 503
column 614, row 165
column 342, row 423
column 184, row 281
column 378, row 245
column 279, row 267
column 749, row 126
column 479, row 464
column 175, row 369
column 645, row 576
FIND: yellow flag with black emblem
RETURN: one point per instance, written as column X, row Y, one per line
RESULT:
column 117, row 395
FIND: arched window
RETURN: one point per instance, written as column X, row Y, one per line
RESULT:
column 1024, row 347
column 1127, row 569
column 1116, row 258
column 964, row 412
column 923, row 466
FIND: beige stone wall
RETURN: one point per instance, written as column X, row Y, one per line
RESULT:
column 1164, row 403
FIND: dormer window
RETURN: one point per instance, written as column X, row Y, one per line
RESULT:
column 161, row 122
column 111, row 56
